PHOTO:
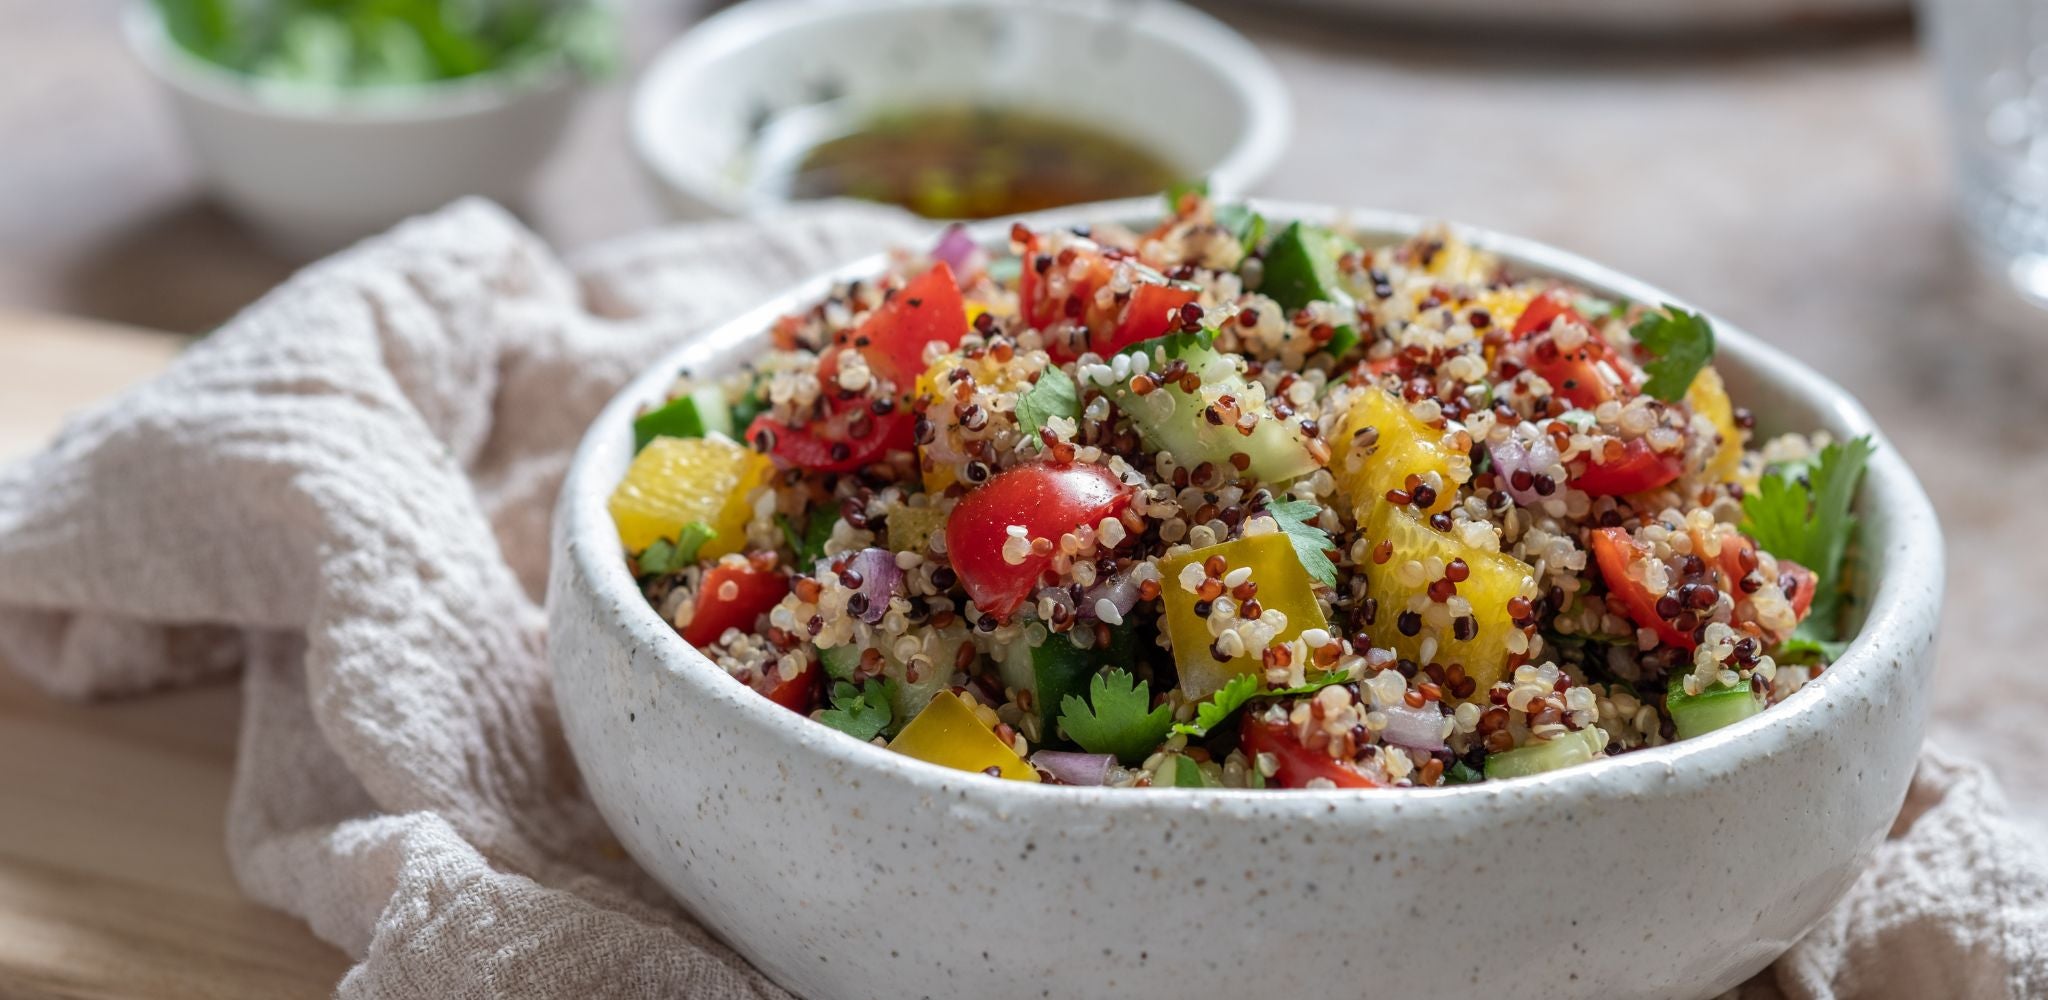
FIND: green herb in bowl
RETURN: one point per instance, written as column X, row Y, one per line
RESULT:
column 367, row 43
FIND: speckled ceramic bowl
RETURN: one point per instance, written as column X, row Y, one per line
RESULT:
column 843, row 870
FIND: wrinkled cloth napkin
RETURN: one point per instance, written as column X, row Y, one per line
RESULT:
column 344, row 495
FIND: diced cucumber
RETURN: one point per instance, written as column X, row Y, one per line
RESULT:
column 697, row 413
column 1536, row 758
column 1051, row 667
column 840, row 661
column 910, row 698
column 1172, row 421
column 1301, row 267
column 1717, row 706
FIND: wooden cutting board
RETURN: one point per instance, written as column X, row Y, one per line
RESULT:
column 114, row 878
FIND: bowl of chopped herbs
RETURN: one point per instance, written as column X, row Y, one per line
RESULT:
column 318, row 122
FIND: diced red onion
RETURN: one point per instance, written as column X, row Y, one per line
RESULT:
column 1120, row 590
column 1511, row 456
column 879, row 581
column 1414, row 728
column 1069, row 768
column 957, row 250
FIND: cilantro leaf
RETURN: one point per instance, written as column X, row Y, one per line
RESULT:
column 1311, row 543
column 1241, row 689
column 1683, row 343
column 1115, row 718
column 1187, row 773
column 1802, row 646
column 861, row 712
column 1809, row 523
column 1053, row 395
column 665, row 556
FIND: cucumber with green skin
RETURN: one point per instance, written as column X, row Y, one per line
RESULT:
column 1536, row 758
column 1696, row 714
column 1301, row 267
column 698, row 413
column 906, row 699
column 1172, row 420
column 1054, row 667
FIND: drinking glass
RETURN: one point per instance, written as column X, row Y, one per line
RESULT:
column 1992, row 60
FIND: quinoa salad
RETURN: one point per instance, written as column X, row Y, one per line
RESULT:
column 1237, row 502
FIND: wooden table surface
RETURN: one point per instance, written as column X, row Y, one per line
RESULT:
column 1795, row 187
column 114, row 879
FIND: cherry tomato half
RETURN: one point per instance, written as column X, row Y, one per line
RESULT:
column 1049, row 501
column 893, row 337
column 799, row 694
column 1800, row 584
column 1639, row 469
column 852, row 439
column 1542, row 311
column 1298, row 764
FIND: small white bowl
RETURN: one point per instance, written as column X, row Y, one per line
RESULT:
column 1174, row 80
column 846, row 871
column 313, row 169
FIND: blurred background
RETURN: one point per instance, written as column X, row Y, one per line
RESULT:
column 1785, row 163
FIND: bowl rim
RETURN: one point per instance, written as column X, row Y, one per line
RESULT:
column 150, row 42
column 1202, row 38
column 1900, row 611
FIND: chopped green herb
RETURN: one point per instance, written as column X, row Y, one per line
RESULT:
column 364, row 43
column 1241, row 689
column 1683, row 343
column 862, row 712
column 1311, row 543
column 665, row 556
column 1176, row 191
column 1249, row 226
column 1117, row 718
column 809, row 546
column 1173, row 345
column 1461, row 773
column 1187, row 773
column 1809, row 523
column 1053, row 395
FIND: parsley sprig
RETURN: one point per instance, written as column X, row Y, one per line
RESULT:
column 809, row 545
column 1241, row 689
column 860, row 712
column 1117, row 717
column 1808, row 521
column 1683, row 343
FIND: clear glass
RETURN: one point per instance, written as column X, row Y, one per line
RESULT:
column 1992, row 58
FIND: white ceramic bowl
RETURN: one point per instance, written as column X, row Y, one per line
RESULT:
column 1174, row 79
column 312, row 170
column 844, row 870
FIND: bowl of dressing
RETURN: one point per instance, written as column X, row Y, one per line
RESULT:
column 953, row 108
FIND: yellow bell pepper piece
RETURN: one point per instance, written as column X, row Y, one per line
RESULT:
column 1708, row 397
column 674, row 481
column 947, row 733
column 1405, row 446
column 910, row 528
column 1283, row 586
column 1493, row 579
column 1462, row 263
column 933, row 387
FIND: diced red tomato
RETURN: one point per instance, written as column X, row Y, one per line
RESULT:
column 893, row 337
column 1049, row 501
column 754, row 590
column 1577, row 375
column 1087, row 269
column 1800, row 584
column 1614, row 550
column 851, row 439
column 1639, row 469
column 1544, row 310
column 1298, row 764
column 799, row 694
column 1152, row 311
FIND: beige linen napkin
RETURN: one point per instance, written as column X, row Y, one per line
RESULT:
column 344, row 495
